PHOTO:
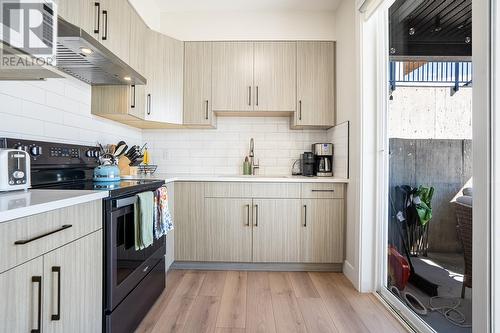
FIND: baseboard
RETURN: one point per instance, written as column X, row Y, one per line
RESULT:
column 351, row 274
column 283, row 267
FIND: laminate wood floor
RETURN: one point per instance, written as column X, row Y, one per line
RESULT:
column 235, row 301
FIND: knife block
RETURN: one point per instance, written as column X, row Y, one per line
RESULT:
column 123, row 164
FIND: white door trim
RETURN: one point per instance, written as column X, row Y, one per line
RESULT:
column 481, row 165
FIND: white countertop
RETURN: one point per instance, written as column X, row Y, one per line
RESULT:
column 17, row 204
column 240, row 178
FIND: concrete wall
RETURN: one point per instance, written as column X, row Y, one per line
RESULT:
column 430, row 113
column 444, row 164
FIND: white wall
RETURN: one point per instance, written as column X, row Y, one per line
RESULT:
column 274, row 25
column 348, row 110
column 222, row 150
column 56, row 110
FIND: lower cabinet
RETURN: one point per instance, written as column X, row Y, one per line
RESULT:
column 228, row 229
column 322, row 231
column 21, row 303
column 276, row 230
column 60, row 291
column 241, row 222
column 72, row 286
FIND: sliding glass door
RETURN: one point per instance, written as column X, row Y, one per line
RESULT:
column 427, row 164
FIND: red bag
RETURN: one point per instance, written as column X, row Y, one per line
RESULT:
column 399, row 269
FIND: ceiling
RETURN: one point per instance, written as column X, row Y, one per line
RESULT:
column 243, row 5
column 429, row 28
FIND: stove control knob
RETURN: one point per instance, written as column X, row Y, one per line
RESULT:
column 18, row 174
column 89, row 153
column 36, row 151
column 22, row 147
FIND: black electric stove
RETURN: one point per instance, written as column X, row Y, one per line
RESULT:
column 70, row 167
column 133, row 279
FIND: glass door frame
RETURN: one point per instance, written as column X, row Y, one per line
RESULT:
column 485, row 265
column 379, row 30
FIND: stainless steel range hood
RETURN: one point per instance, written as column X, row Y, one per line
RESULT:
column 99, row 66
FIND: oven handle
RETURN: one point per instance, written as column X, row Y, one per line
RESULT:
column 119, row 203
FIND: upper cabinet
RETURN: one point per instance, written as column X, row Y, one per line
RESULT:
column 315, row 84
column 188, row 84
column 108, row 21
column 198, row 84
column 157, row 104
column 137, row 42
column 164, row 71
column 274, row 76
column 232, row 76
column 254, row 76
column 85, row 14
column 115, row 27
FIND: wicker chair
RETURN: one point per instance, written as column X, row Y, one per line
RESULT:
column 464, row 227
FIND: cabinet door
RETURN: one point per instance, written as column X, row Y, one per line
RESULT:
column 73, row 286
column 275, row 76
column 322, row 231
column 172, row 80
column 137, row 42
column 21, row 304
column 82, row 13
column 232, row 76
column 190, row 231
column 315, row 84
column 115, row 25
column 164, row 71
column 229, row 229
column 276, row 227
column 198, row 83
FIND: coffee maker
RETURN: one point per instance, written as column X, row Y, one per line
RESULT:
column 323, row 155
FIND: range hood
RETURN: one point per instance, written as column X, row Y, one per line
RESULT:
column 82, row 56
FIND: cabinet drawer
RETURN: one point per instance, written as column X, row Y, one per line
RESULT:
column 322, row 191
column 252, row 190
column 228, row 190
column 276, row 190
column 41, row 233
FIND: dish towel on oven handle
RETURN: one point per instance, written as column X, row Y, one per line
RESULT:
column 163, row 221
column 144, row 215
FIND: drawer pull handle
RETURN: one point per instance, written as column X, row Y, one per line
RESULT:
column 105, row 28
column 26, row 241
column 256, row 215
column 248, row 215
column 38, row 280
column 57, row 316
column 305, row 215
column 206, row 109
column 322, row 190
column 97, row 17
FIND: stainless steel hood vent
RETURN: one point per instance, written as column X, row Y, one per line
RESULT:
column 99, row 67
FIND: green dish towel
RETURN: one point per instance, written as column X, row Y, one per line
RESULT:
column 143, row 220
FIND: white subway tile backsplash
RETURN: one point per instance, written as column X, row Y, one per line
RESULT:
column 223, row 150
column 57, row 110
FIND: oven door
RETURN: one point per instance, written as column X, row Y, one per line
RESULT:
column 125, row 267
